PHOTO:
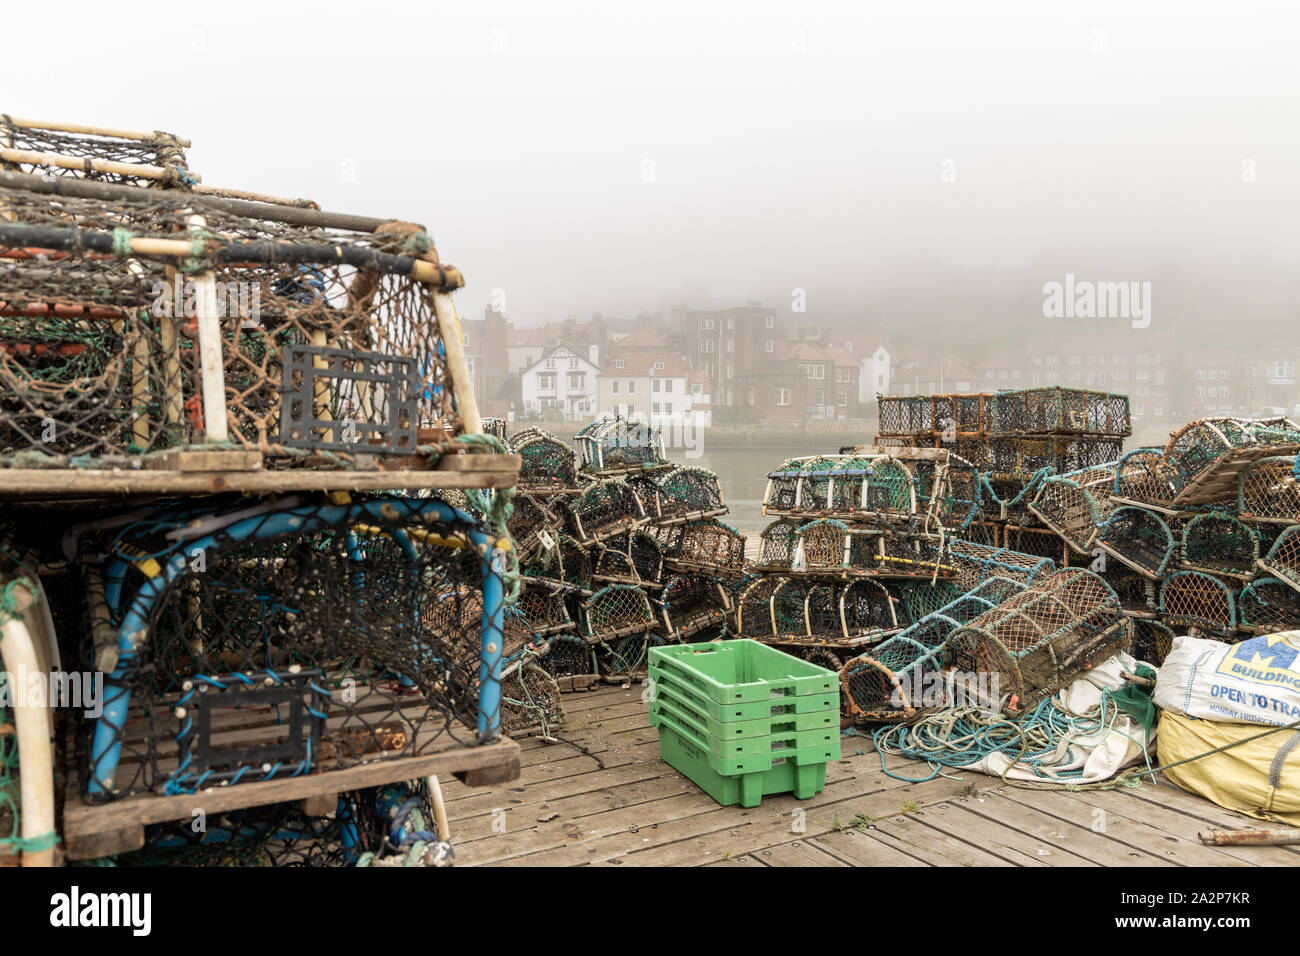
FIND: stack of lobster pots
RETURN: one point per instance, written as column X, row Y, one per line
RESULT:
column 619, row 550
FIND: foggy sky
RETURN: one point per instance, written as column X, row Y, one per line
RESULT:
column 791, row 144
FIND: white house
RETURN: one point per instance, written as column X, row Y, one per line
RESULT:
column 658, row 386
column 874, row 377
column 563, row 379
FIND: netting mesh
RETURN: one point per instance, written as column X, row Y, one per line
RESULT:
column 1268, row 605
column 754, row 611
column 329, row 351
column 692, row 604
column 346, row 629
column 777, row 545
column 618, row 446
column 1220, row 544
column 1268, row 491
column 615, row 611
column 1061, row 410
column 605, row 510
column 686, row 494
column 160, row 151
column 1195, row 448
column 1145, row 476
column 708, row 546
column 1283, row 558
column 548, row 464
column 1139, row 538
column 1196, row 599
column 1036, row 641
column 1070, row 510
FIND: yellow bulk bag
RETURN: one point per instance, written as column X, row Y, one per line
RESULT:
column 1261, row 778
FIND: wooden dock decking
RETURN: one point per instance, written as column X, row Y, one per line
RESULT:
column 619, row 804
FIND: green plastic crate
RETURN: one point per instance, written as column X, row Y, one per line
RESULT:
column 748, row 763
column 780, row 706
column 826, row 720
column 685, row 753
column 770, row 744
column 743, row 671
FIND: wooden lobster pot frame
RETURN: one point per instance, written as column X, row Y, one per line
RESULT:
column 616, row 611
column 540, row 610
column 1144, row 477
column 620, row 446
column 627, row 658
column 1152, row 641
column 778, row 543
column 1070, row 510
column 680, row 495
column 1020, row 457
column 842, row 486
column 531, row 525
column 1061, row 411
column 633, row 559
column 1139, row 538
column 1039, row 640
column 1267, row 606
column 961, row 415
column 1199, row 600
column 1269, row 492
column 568, row 565
column 977, row 562
column 1211, row 454
column 570, row 657
column 1283, row 558
column 691, row 604
column 754, row 607
column 880, row 685
column 312, row 348
column 606, row 510
column 708, row 547
column 1219, row 544
column 547, row 465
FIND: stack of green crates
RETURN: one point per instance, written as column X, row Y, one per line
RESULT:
column 744, row 720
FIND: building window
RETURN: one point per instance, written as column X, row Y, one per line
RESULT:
column 819, row 397
column 573, row 363
column 668, row 385
column 706, row 324
column 731, row 344
column 615, row 385
column 577, row 379
column 618, row 363
column 655, row 408
column 659, row 365
column 731, row 370
column 545, row 381
column 768, row 346
column 631, row 386
column 654, row 385
column 782, row 394
column 771, row 322
column 706, row 345
column 697, row 389
column 1157, row 409
column 842, row 397
column 668, row 408
column 731, row 322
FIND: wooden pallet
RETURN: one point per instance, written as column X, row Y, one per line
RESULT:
column 95, row 830
column 1218, row 480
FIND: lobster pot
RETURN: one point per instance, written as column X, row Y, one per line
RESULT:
column 1070, row 510
column 1283, row 558
column 978, row 562
column 530, row 701
column 569, row 656
column 933, row 629
column 899, row 556
column 754, row 607
column 823, row 546
column 1039, row 640
column 548, row 465
column 866, row 606
column 1145, row 476
column 917, row 599
column 1140, row 539
column 1269, row 492
column 777, row 545
column 330, row 348
column 627, row 658
column 849, row 476
column 822, row 611
column 616, row 611
column 1220, row 544
column 1195, row 599
column 531, row 525
column 687, row 494
column 605, row 510
column 709, row 547
column 789, row 608
column 614, row 564
column 1006, row 498
column 286, row 639
column 905, row 415
column 815, row 480
column 885, row 684
column 691, row 604
column 1152, row 641
column 158, row 159
column 1267, row 606
column 1056, row 410
column 567, row 565
column 1196, row 448
column 1136, row 591
column 619, row 446
column 1042, row 542
column 889, row 490
column 782, row 495
column 1022, row 456
column 541, row 610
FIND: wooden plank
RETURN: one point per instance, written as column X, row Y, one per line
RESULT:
column 1178, row 843
column 480, row 463
column 748, row 861
column 190, row 460
column 931, row 845
column 798, row 853
column 1022, row 839
column 1119, row 829
column 862, row 849
column 83, row 822
column 30, row 483
column 1163, row 793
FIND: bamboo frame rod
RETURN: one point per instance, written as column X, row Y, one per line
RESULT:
column 60, row 238
column 89, row 189
column 249, row 196
column 454, row 344
column 166, row 138
column 138, row 170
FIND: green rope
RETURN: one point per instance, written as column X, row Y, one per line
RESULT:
column 121, row 242
column 497, row 506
